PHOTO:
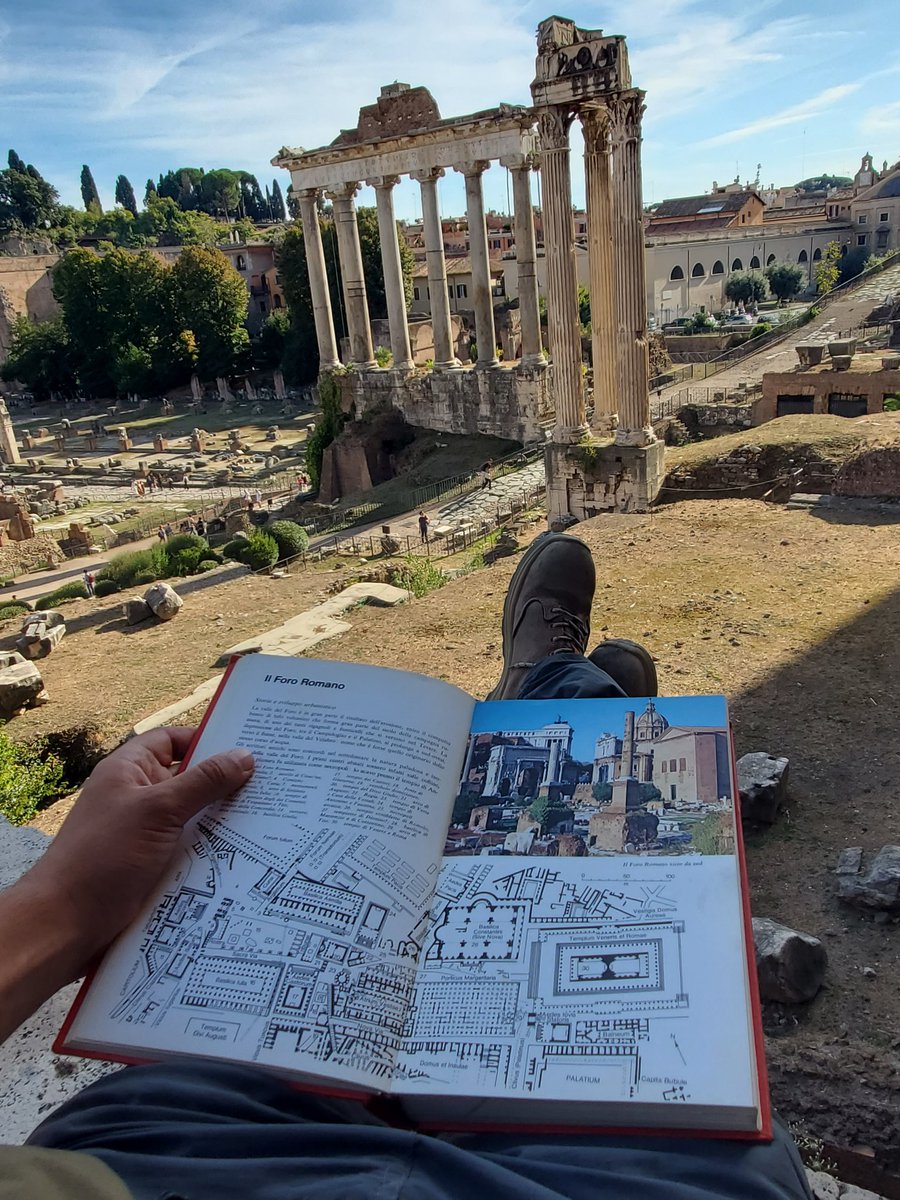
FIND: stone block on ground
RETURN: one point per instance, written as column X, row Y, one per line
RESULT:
column 21, row 686
column 163, row 600
column 790, row 965
column 879, row 888
column 823, row 1186
column 9, row 658
column 51, row 617
column 136, row 609
column 38, row 641
column 849, row 861
column 762, row 782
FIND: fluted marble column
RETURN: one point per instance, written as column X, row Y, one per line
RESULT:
column 318, row 280
column 482, row 301
column 520, row 166
column 598, row 189
column 361, row 352
column 563, row 328
column 632, row 352
column 393, row 271
column 444, row 355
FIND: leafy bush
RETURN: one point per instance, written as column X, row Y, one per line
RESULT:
column 290, row 537
column 760, row 328
column 234, row 550
column 185, row 560
column 260, row 551
column 417, row 575
column 145, row 577
column 124, row 568
column 106, row 587
column 76, row 590
column 182, row 541
column 213, row 556
column 206, row 565
column 15, row 608
column 30, row 777
column 892, row 403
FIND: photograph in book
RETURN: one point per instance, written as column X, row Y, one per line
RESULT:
column 596, row 777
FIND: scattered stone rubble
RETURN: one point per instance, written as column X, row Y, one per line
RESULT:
column 790, row 965
column 826, row 1187
column 163, row 601
column 762, row 781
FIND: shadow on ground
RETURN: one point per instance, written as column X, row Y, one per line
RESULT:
column 833, row 712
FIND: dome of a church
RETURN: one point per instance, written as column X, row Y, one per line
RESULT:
column 650, row 725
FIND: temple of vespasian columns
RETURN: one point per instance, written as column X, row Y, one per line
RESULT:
column 617, row 463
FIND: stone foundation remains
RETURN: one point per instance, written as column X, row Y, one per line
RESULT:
column 513, row 403
column 586, row 480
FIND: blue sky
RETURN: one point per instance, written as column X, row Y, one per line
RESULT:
column 800, row 86
column 590, row 718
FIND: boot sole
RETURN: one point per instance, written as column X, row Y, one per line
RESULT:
column 540, row 543
column 643, row 655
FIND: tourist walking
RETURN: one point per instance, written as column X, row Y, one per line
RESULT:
column 486, row 472
column 88, row 578
column 423, row 527
column 161, row 534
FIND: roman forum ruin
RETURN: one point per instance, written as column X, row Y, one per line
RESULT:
column 616, row 461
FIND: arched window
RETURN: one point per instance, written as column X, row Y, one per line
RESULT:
column 677, row 273
column 718, row 268
column 697, row 270
column 770, row 260
column 240, row 262
column 817, row 254
column 754, row 263
column 737, row 265
column 802, row 256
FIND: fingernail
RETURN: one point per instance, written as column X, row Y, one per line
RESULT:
column 242, row 758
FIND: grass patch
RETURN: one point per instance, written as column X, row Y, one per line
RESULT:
column 417, row 575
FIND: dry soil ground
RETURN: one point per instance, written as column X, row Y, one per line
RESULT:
column 795, row 618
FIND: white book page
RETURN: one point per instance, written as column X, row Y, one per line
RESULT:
column 287, row 931
column 607, row 978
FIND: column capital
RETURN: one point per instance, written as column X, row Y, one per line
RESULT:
column 475, row 167
column 625, row 112
column 595, row 123
column 378, row 182
column 427, row 175
column 554, row 124
column 309, row 193
column 519, row 162
column 342, row 191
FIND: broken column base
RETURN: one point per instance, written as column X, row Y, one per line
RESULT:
column 587, row 479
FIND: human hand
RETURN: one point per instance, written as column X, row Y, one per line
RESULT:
column 119, row 838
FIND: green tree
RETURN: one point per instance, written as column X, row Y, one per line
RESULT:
column 602, row 792
column 279, row 213
column 584, row 308
column 125, row 195
column 163, row 223
column 272, row 338
column 542, row 807
column 785, row 280
column 89, row 193
column 27, row 201
column 150, row 192
column 40, row 357
column 208, row 297
column 293, row 203
column 853, row 263
column 746, row 287
column 220, row 193
column 828, row 271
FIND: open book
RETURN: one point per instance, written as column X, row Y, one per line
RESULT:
column 513, row 913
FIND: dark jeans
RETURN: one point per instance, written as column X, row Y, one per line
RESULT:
column 211, row 1131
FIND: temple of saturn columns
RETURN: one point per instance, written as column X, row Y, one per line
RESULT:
column 615, row 463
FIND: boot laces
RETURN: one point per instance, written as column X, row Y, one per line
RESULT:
column 573, row 632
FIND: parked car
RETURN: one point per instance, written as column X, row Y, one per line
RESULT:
column 677, row 326
column 738, row 321
column 651, row 322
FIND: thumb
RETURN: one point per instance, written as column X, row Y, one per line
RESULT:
column 214, row 779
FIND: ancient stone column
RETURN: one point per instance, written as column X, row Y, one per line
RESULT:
column 9, row 450
column 361, row 352
column 520, row 166
column 444, row 355
column 563, row 329
column 393, row 271
column 604, row 340
column 632, row 354
column 483, row 304
column 318, row 281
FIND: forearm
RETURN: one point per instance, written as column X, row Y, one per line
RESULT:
column 41, row 950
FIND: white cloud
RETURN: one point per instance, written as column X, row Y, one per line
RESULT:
column 882, row 121
column 815, row 106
